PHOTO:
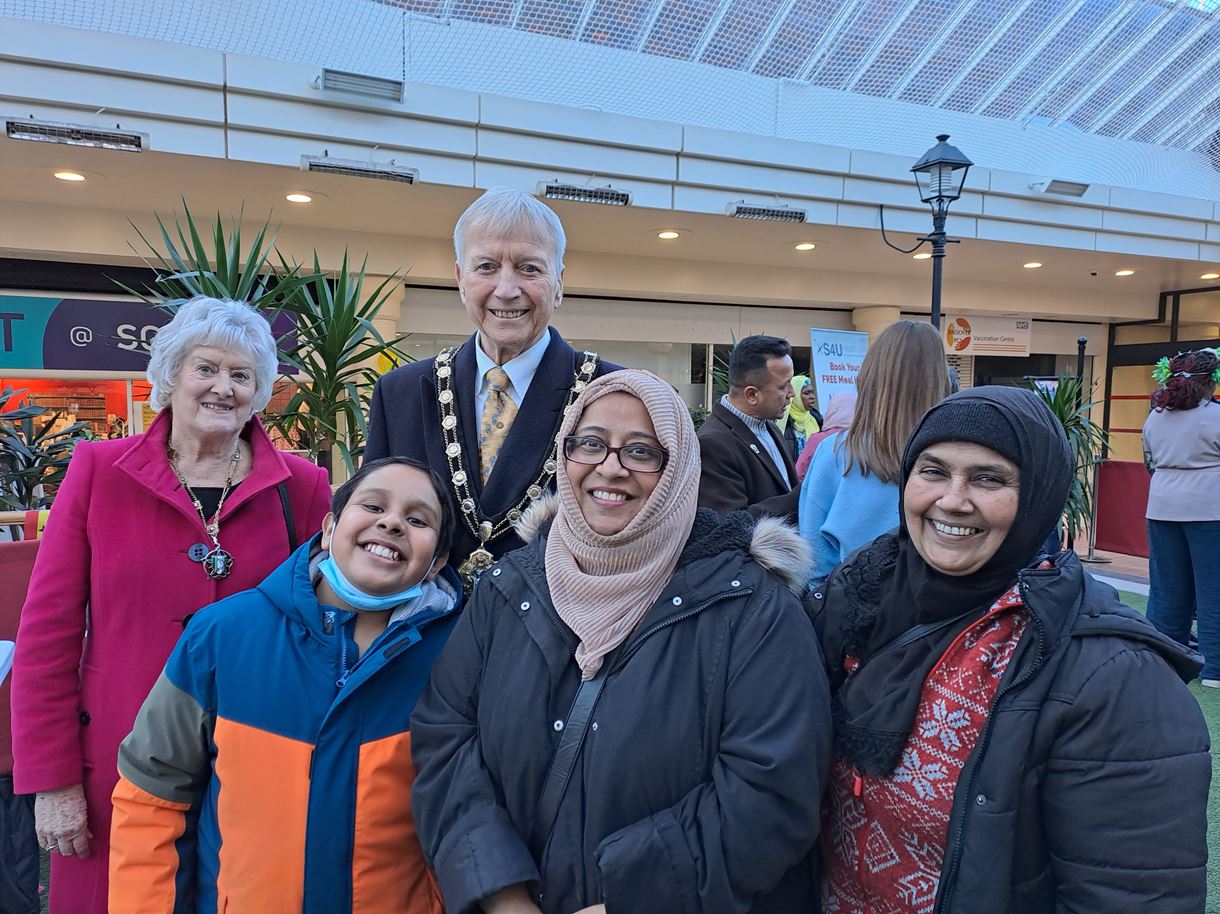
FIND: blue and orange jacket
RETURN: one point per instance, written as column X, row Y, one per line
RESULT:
column 269, row 772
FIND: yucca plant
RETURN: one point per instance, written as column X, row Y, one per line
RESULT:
column 334, row 347
column 333, row 341
column 217, row 268
column 33, row 456
column 1087, row 440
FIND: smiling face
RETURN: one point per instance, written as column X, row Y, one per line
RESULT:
column 384, row 539
column 510, row 287
column 959, row 503
column 608, row 495
column 213, row 392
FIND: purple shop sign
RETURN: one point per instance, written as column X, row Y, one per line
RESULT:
column 114, row 335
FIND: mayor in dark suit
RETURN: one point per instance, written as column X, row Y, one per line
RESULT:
column 746, row 464
column 484, row 415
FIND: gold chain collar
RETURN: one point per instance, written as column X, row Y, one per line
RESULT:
column 460, row 475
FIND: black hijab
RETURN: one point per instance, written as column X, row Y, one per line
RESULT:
column 891, row 590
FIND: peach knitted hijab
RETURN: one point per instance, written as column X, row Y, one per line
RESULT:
column 602, row 586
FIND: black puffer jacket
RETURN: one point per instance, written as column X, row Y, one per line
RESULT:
column 1087, row 790
column 699, row 786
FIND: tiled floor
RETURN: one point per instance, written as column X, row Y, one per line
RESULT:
column 1126, row 572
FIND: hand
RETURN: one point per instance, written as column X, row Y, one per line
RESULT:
column 60, row 821
column 512, row 900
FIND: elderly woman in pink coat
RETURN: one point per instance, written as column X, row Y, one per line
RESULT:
column 143, row 532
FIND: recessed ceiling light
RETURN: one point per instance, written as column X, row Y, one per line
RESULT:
column 1124, row 272
column 1210, row 276
column 923, row 255
column 298, row 198
column 805, row 246
column 1032, row 265
column 668, row 235
column 69, row 175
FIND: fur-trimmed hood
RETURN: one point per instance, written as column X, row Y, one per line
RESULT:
column 772, row 543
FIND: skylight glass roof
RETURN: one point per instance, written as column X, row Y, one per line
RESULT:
column 1147, row 71
column 1122, row 92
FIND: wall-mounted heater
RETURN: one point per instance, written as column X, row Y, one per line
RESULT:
column 779, row 213
column 74, row 134
column 379, row 171
column 606, row 196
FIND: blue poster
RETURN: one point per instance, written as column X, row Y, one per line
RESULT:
column 837, row 355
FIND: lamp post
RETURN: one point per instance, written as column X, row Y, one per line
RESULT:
column 939, row 175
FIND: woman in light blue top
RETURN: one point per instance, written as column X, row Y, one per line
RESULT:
column 850, row 495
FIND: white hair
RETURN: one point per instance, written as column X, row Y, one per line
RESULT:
column 504, row 212
column 223, row 323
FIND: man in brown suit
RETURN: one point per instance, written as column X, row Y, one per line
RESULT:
column 745, row 462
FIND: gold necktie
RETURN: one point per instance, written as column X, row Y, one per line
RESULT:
column 499, row 411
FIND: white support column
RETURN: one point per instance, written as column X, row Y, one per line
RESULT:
column 874, row 319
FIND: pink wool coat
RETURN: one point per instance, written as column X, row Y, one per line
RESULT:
column 111, row 586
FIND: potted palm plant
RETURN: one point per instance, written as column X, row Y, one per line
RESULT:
column 335, row 347
column 1087, row 440
column 333, row 341
column 34, row 454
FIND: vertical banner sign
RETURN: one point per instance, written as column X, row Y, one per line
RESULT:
column 837, row 355
column 89, row 334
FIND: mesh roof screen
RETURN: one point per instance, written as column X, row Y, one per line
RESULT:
column 1141, row 70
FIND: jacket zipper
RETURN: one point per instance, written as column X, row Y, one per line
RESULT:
column 955, row 842
column 681, row 617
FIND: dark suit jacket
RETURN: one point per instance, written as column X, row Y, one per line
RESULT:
column 404, row 422
column 738, row 473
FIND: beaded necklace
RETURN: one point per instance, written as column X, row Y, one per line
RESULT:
column 217, row 563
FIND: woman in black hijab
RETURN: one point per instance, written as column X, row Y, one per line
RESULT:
column 1009, row 737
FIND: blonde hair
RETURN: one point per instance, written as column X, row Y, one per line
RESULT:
column 903, row 376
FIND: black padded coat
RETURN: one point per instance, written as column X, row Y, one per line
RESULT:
column 1087, row 790
column 699, row 786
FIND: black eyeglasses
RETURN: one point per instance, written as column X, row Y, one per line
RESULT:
column 640, row 458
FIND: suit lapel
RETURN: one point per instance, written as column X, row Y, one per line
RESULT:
column 466, row 384
column 528, row 442
column 750, row 442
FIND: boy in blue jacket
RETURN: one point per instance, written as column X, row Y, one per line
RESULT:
column 270, row 768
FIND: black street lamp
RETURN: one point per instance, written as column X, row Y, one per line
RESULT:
column 939, row 174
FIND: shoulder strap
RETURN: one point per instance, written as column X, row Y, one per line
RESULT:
column 288, row 519
column 911, row 635
column 566, row 755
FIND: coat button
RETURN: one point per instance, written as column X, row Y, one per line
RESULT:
column 558, row 725
column 594, row 725
column 817, row 594
column 677, row 601
column 734, row 583
column 981, row 800
column 495, row 572
column 525, row 607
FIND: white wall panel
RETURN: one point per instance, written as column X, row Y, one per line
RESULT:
column 279, row 149
column 590, row 158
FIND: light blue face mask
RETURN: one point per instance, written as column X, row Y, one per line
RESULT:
column 353, row 596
